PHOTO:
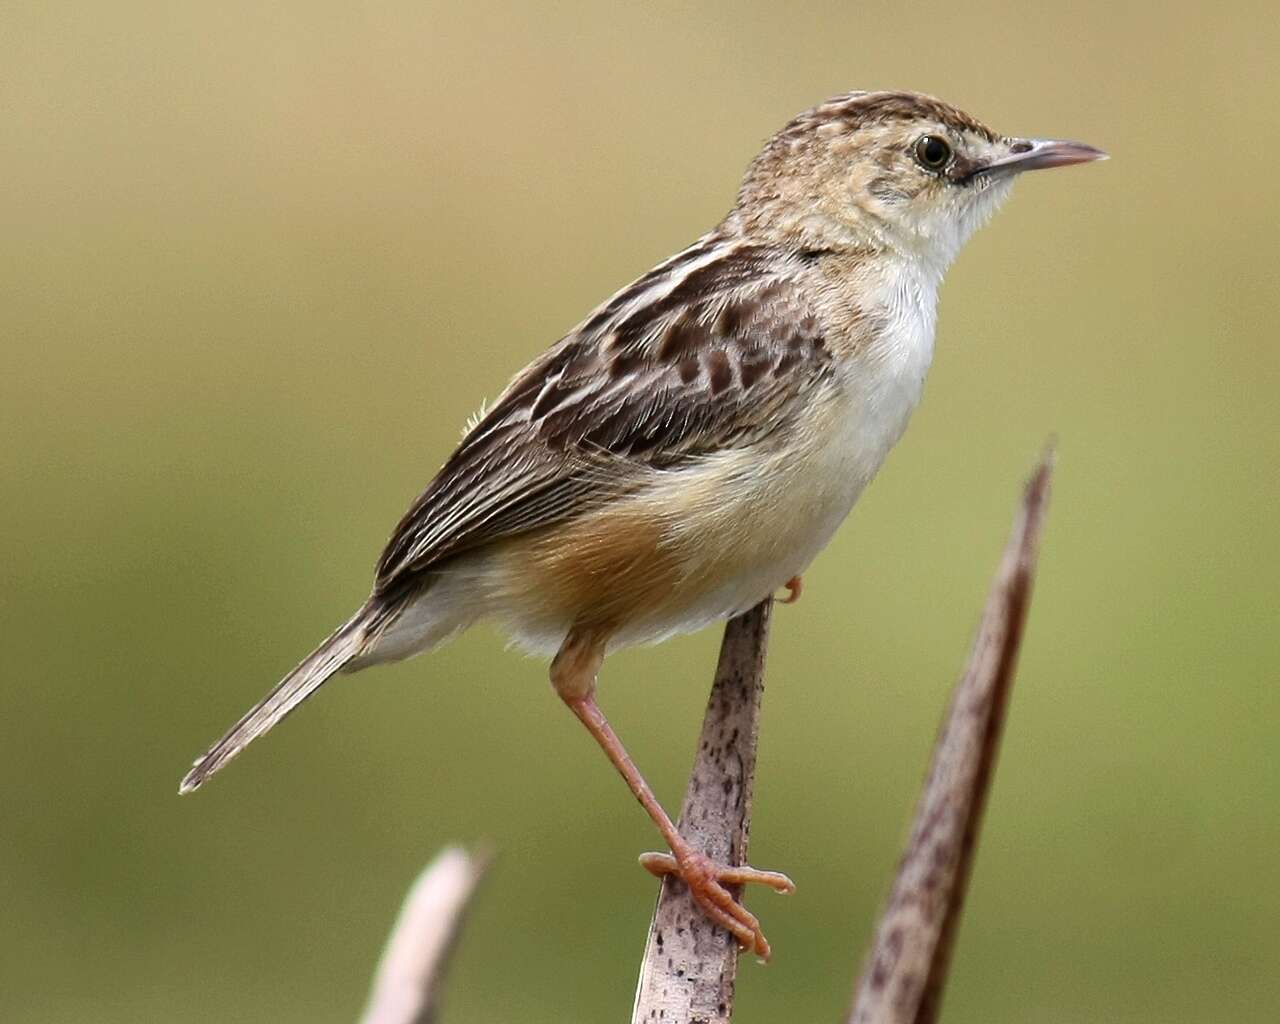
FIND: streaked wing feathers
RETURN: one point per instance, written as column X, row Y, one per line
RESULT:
column 711, row 350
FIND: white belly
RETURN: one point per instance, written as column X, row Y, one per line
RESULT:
column 781, row 521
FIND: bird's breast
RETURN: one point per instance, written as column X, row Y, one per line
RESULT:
column 888, row 352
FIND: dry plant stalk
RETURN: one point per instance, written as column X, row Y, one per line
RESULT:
column 406, row 989
column 689, row 964
column 689, row 967
column 906, row 968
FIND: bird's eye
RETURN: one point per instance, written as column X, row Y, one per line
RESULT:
column 933, row 152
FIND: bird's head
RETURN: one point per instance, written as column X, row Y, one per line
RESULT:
column 894, row 171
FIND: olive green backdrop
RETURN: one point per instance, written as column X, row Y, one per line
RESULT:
column 258, row 265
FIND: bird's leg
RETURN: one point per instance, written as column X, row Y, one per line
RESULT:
column 573, row 673
column 794, row 586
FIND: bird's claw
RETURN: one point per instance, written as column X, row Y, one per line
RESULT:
column 707, row 883
column 794, row 586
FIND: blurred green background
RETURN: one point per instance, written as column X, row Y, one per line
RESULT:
column 259, row 263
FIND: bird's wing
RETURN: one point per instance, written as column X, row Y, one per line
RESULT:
column 714, row 349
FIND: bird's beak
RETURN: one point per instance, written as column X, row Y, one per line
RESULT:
column 1035, row 154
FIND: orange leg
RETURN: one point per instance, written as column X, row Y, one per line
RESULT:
column 573, row 674
column 794, row 586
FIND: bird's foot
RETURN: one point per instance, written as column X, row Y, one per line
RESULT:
column 707, row 883
column 794, row 586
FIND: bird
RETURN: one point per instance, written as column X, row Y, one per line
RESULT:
column 687, row 449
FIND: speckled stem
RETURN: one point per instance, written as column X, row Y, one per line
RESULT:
column 904, row 973
column 689, row 967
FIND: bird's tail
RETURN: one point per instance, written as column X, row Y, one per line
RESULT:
column 330, row 657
